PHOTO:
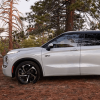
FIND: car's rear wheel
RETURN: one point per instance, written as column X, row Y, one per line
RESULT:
column 27, row 71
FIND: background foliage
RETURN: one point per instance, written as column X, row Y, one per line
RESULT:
column 49, row 18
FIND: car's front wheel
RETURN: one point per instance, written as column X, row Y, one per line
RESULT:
column 27, row 71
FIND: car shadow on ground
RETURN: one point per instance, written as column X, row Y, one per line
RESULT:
column 70, row 78
column 59, row 79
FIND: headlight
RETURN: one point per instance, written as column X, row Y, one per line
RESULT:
column 11, row 52
column 6, row 59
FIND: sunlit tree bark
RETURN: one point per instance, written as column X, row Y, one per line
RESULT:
column 10, row 17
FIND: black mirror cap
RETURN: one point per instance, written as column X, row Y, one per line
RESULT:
column 48, row 48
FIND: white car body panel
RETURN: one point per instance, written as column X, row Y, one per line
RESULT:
column 34, row 53
column 59, row 61
column 90, row 60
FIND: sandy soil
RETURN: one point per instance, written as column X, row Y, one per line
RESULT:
column 51, row 88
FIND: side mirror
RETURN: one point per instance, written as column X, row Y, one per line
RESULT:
column 49, row 47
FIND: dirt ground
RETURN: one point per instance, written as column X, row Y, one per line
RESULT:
column 51, row 88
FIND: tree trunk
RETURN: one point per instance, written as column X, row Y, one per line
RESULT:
column 70, row 17
column 10, row 26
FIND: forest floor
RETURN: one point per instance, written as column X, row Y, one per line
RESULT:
column 51, row 88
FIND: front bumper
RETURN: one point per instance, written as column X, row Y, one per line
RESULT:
column 6, row 71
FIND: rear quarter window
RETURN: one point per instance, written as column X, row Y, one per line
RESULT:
column 90, row 39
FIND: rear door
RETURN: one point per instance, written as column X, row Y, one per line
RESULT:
column 64, row 57
column 90, row 54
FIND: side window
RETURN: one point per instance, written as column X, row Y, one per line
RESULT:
column 90, row 39
column 68, row 40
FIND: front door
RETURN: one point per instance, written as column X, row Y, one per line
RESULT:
column 64, row 57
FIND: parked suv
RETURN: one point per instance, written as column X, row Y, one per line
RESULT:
column 71, row 53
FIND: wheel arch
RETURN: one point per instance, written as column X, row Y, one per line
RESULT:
column 25, row 59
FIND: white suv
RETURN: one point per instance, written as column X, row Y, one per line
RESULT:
column 71, row 53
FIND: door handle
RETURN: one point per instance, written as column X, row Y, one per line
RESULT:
column 47, row 55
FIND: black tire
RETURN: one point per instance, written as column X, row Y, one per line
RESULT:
column 27, row 71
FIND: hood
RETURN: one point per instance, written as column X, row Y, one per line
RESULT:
column 26, row 49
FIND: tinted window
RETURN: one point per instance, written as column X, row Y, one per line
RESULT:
column 67, row 40
column 90, row 39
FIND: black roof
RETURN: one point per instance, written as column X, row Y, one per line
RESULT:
column 87, row 32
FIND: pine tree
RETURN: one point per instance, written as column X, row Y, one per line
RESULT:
column 10, row 17
column 65, row 15
column 1, row 30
